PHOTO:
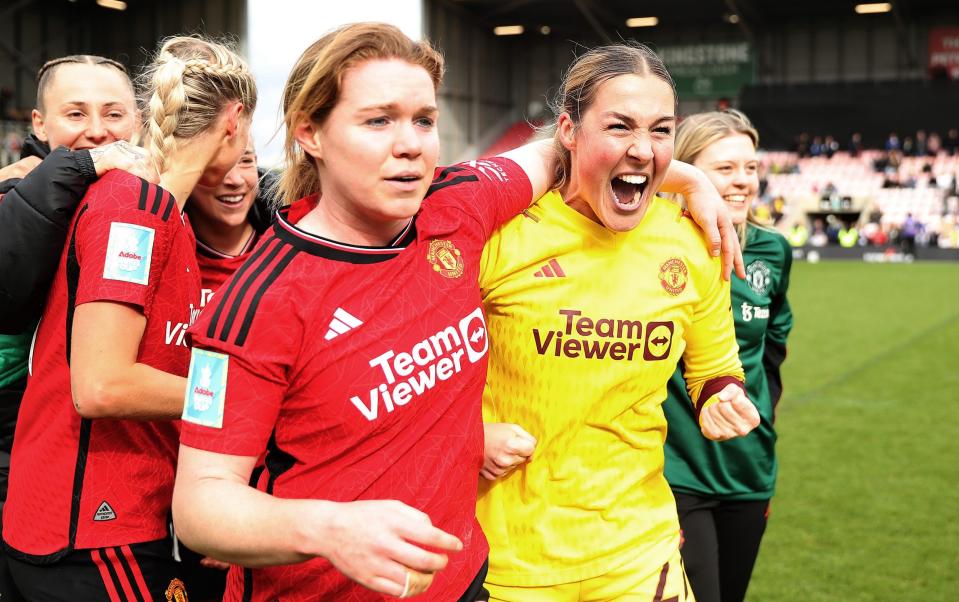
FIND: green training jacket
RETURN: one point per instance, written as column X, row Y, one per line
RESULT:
column 743, row 468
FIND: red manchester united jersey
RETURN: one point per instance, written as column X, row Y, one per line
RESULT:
column 77, row 483
column 216, row 267
column 360, row 370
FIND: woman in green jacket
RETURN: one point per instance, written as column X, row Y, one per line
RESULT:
column 723, row 489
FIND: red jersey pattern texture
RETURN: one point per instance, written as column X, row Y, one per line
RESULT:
column 77, row 483
column 216, row 267
column 360, row 370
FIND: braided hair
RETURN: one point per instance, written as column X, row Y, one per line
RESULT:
column 185, row 88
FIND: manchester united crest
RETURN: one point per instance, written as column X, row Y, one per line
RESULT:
column 758, row 276
column 176, row 592
column 673, row 275
column 445, row 258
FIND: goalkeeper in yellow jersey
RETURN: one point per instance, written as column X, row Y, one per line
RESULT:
column 593, row 297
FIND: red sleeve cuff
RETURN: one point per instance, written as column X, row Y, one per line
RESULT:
column 714, row 386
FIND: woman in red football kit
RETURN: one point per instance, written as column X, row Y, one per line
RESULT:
column 226, row 223
column 93, row 460
column 352, row 346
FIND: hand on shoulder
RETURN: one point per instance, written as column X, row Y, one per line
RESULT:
column 123, row 155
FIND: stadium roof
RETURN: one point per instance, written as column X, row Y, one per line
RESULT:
column 606, row 19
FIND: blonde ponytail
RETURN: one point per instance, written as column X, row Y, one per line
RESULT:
column 186, row 87
column 163, row 108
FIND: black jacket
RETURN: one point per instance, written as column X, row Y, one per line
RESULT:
column 35, row 214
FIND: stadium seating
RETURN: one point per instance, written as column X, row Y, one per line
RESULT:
column 801, row 182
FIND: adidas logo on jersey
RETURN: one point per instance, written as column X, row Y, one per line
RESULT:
column 341, row 323
column 550, row 270
column 104, row 512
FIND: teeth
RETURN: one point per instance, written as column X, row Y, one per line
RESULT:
column 631, row 179
column 735, row 198
column 232, row 198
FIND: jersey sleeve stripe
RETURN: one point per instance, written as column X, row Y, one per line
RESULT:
column 144, row 191
column 446, row 172
column 255, row 303
column 451, row 182
column 157, row 199
column 237, row 277
column 244, row 288
column 170, row 204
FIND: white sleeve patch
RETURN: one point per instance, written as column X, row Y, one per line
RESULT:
column 129, row 253
column 206, row 388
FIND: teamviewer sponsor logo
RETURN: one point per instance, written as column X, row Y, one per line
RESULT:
column 583, row 337
column 438, row 357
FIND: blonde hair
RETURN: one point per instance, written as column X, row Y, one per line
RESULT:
column 185, row 88
column 313, row 88
column 697, row 132
column 582, row 81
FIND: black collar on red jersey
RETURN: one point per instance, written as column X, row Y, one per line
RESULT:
column 338, row 251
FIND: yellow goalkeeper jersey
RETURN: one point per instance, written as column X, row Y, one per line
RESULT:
column 586, row 327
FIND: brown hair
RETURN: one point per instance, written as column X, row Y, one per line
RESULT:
column 697, row 132
column 313, row 88
column 583, row 79
column 49, row 69
column 186, row 86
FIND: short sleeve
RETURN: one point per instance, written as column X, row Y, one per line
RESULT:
column 235, row 391
column 120, row 252
column 491, row 190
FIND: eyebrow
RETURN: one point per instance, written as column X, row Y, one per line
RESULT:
column 747, row 161
column 83, row 103
column 392, row 106
column 632, row 121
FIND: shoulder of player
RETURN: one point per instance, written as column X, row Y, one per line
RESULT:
column 276, row 280
column 532, row 233
column 768, row 244
column 453, row 180
column 119, row 191
column 667, row 216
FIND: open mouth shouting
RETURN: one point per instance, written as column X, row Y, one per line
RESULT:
column 628, row 191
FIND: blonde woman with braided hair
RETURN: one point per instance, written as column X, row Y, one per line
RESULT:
column 93, row 462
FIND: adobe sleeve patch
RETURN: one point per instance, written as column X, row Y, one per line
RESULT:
column 129, row 252
column 206, row 388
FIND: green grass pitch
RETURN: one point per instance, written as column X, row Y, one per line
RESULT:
column 867, row 502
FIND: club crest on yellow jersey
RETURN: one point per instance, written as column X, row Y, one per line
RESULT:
column 673, row 275
column 445, row 258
